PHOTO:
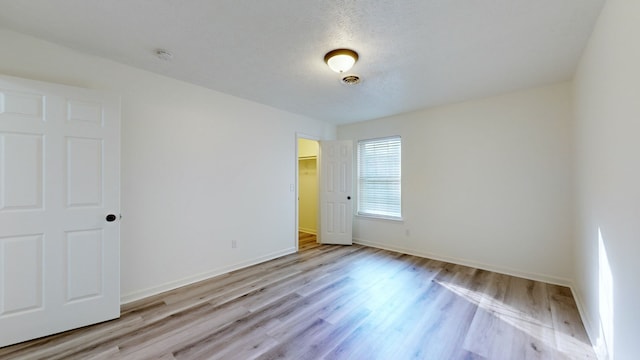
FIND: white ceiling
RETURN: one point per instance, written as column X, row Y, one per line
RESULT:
column 413, row 53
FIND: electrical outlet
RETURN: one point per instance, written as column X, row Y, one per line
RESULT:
column 234, row 244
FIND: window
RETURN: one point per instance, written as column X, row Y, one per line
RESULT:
column 379, row 177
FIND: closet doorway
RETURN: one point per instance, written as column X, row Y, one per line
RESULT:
column 308, row 192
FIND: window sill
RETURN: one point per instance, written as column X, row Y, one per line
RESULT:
column 380, row 217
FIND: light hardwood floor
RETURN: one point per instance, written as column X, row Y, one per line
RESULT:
column 306, row 241
column 337, row 302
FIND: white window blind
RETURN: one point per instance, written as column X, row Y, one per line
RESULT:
column 379, row 177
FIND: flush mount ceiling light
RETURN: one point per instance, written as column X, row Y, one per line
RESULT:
column 341, row 60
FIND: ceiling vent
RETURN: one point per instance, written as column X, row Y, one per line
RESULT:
column 351, row 80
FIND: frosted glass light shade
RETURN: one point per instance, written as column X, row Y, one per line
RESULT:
column 341, row 60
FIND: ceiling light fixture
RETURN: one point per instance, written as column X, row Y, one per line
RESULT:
column 341, row 60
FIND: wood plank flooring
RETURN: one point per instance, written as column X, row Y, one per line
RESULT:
column 306, row 241
column 337, row 302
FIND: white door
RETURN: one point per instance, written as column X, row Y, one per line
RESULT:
column 336, row 159
column 59, row 179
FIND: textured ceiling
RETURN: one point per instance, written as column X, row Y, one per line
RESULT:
column 413, row 53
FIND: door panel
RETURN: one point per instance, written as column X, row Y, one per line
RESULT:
column 59, row 178
column 84, row 264
column 21, row 161
column 88, row 112
column 21, row 274
column 22, row 105
column 336, row 159
column 84, row 172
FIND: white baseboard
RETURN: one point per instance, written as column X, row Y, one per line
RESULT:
column 466, row 262
column 308, row 231
column 137, row 295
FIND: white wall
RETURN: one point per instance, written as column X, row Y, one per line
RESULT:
column 484, row 183
column 308, row 148
column 607, row 127
column 199, row 168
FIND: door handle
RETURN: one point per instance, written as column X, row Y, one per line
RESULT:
column 348, row 197
column 111, row 218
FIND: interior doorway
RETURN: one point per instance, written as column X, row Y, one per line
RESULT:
column 308, row 192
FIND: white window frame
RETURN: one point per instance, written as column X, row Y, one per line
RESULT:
column 371, row 213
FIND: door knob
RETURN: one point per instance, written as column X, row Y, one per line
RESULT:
column 111, row 218
column 348, row 197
